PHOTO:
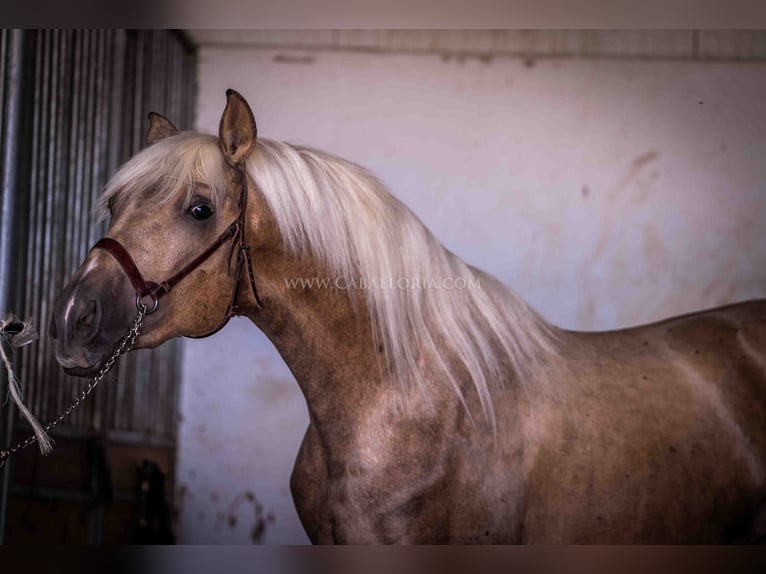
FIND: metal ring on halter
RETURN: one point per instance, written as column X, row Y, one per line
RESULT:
column 155, row 299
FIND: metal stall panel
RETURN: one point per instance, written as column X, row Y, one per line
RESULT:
column 89, row 93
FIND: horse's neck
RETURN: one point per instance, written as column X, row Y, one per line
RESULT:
column 326, row 343
column 352, row 400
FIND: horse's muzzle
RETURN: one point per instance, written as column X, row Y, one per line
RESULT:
column 88, row 318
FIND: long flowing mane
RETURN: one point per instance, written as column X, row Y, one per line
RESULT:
column 342, row 215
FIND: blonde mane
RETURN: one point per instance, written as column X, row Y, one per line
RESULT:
column 342, row 215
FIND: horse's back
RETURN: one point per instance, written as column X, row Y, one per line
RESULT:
column 726, row 348
column 660, row 433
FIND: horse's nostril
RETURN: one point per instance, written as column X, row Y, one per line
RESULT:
column 84, row 323
column 87, row 318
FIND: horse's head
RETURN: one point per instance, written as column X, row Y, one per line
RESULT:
column 173, row 207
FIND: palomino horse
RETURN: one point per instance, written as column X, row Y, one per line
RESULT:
column 442, row 408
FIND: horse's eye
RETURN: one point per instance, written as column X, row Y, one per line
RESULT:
column 200, row 211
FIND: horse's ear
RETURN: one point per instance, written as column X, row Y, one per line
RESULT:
column 237, row 132
column 160, row 128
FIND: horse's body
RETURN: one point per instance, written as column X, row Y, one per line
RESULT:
column 657, row 435
column 435, row 415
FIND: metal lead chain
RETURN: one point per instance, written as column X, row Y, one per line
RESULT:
column 124, row 345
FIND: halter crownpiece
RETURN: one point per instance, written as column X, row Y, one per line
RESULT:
column 154, row 290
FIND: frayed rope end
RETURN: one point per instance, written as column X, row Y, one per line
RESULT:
column 19, row 333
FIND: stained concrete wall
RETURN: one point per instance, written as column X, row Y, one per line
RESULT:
column 608, row 192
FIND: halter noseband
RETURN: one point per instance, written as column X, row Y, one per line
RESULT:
column 235, row 231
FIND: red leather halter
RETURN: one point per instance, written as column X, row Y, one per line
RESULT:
column 235, row 232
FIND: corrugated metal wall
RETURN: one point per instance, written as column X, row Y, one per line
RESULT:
column 92, row 92
column 86, row 96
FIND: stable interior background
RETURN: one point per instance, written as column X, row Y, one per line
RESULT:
column 610, row 178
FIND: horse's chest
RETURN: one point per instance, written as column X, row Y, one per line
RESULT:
column 368, row 498
column 363, row 497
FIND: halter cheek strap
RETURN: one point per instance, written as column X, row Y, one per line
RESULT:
column 156, row 291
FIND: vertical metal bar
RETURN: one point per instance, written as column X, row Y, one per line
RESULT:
column 4, row 37
column 12, row 111
column 135, row 143
column 41, row 173
column 57, row 204
column 50, row 153
column 29, row 362
column 171, row 59
column 130, row 94
column 119, row 56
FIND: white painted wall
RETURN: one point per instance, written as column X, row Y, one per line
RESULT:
column 607, row 193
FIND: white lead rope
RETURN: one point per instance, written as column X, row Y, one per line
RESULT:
column 40, row 435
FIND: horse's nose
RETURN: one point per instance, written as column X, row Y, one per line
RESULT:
column 78, row 320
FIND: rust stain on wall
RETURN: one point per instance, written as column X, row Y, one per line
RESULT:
column 643, row 159
column 261, row 522
column 631, row 189
column 262, row 517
